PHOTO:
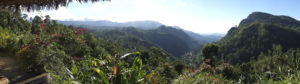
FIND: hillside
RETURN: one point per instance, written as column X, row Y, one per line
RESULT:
column 257, row 34
column 144, row 34
column 145, row 25
column 174, row 41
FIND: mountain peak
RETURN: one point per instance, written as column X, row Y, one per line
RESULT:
column 269, row 18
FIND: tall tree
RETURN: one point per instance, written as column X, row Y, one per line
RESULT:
column 210, row 51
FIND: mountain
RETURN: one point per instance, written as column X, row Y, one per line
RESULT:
column 174, row 41
column 205, row 38
column 144, row 34
column 105, row 24
column 257, row 34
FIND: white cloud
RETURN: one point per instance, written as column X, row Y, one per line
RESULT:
column 180, row 3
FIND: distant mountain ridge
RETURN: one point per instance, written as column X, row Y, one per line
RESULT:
column 106, row 23
column 174, row 41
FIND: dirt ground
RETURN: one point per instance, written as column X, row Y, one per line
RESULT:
column 8, row 64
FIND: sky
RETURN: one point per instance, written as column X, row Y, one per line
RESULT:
column 200, row 16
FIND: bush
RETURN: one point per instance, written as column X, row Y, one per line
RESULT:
column 25, row 57
column 227, row 71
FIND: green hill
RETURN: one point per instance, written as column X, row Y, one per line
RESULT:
column 257, row 33
column 174, row 41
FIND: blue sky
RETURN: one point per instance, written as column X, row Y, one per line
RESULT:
column 200, row 16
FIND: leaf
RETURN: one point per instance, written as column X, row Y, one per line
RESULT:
column 74, row 70
column 102, row 75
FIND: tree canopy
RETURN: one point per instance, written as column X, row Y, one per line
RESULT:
column 33, row 5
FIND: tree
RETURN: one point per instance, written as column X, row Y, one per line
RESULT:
column 32, row 5
column 47, row 19
column 37, row 20
column 210, row 51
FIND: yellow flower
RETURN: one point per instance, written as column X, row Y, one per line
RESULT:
column 115, row 69
column 95, row 63
column 6, row 36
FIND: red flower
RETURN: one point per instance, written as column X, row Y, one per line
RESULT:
column 108, row 78
column 192, row 70
column 76, row 31
column 208, row 75
column 83, row 30
column 76, row 58
column 52, row 40
column 47, row 44
column 44, row 26
column 58, row 35
column 214, row 80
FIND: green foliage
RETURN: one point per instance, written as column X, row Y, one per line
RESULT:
column 4, row 37
column 199, row 77
column 87, row 69
column 72, row 55
column 210, row 52
column 257, row 33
